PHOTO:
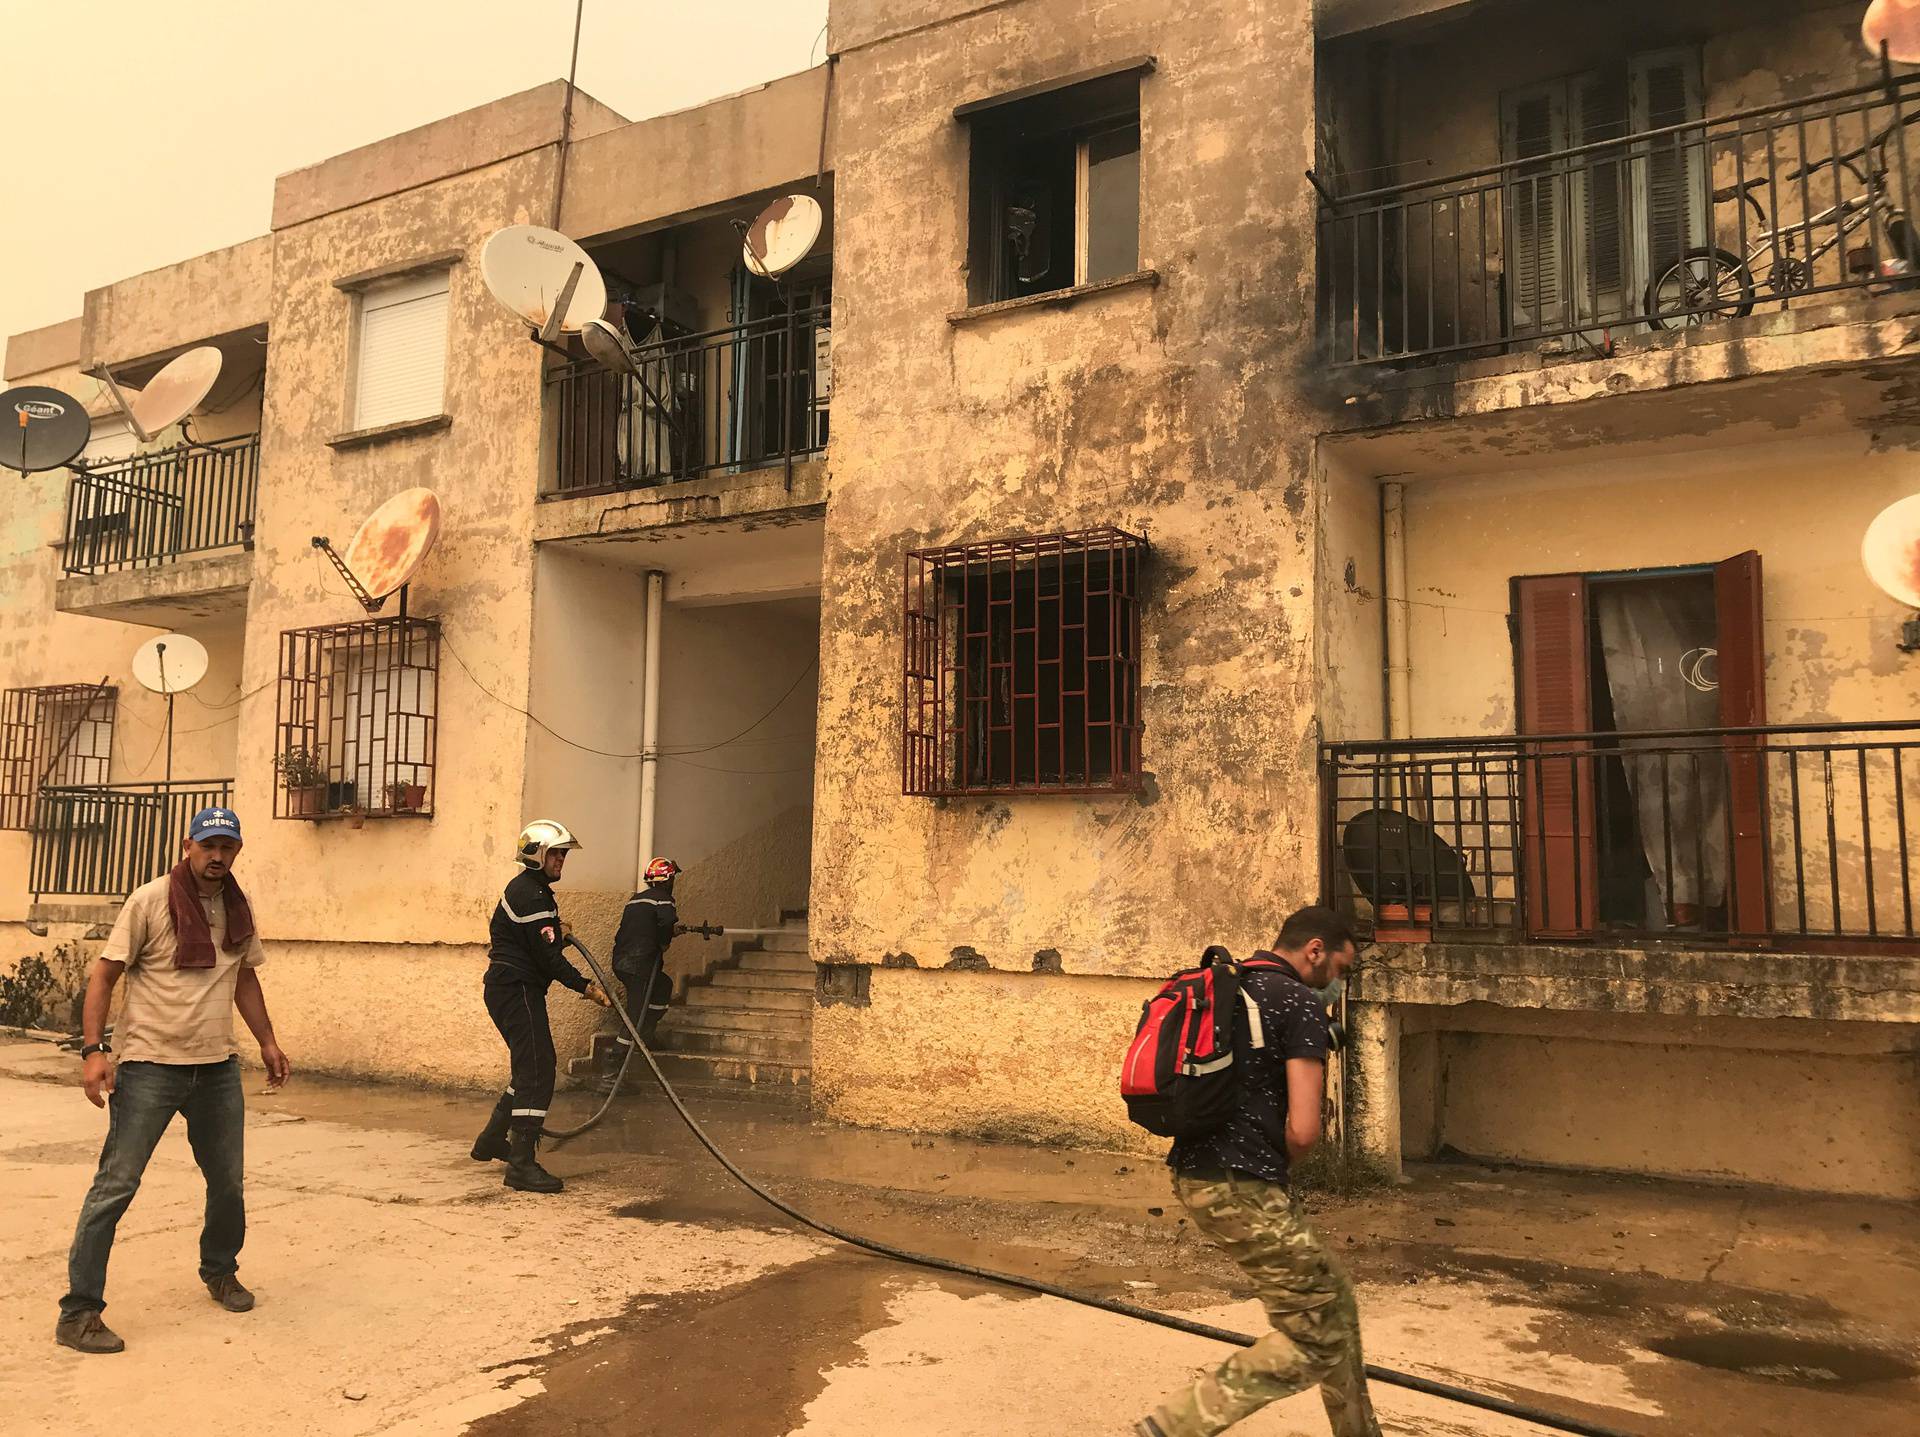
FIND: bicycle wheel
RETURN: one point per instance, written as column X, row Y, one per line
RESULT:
column 1702, row 284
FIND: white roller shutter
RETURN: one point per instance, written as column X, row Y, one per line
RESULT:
column 402, row 369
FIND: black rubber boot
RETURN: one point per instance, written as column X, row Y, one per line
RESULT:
column 523, row 1172
column 491, row 1145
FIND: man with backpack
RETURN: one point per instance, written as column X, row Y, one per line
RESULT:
column 1241, row 1050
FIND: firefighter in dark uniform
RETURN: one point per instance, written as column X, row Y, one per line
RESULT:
column 525, row 956
column 647, row 926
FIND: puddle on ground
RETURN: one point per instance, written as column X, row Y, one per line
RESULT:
column 1776, row 1357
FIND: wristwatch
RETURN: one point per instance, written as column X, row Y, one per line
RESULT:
column 92, row 1048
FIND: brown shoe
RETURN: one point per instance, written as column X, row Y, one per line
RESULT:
column 228, row 1292
column 87, row 1333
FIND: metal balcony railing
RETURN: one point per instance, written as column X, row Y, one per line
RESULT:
column 1663, row 228
column 1789, row 837
column 154, row 508
column 740, row 397
column 105, row 840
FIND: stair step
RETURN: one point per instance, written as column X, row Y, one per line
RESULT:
column 760, row 1046
column 781, row 961
column 756, row 998
column 788, row 940
column 725, row 1073
column 755, row 1020
column 780, row 978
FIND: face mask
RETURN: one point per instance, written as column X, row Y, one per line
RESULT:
column 1331, row 994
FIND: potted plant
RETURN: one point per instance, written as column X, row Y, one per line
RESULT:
column 304, row 777
column 403, row 797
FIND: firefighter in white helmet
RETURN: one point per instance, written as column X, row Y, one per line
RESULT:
column 525, row 956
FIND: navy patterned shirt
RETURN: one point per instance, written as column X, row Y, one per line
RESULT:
column 1254, row 1139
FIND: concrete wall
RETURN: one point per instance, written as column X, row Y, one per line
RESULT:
column 223, row 292
column 1839, row 1103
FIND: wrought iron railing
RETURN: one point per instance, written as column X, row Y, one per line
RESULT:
column 154, row 508
column 1782, row 836
column 1662, row 228
column 105, row 840
column 740, row 397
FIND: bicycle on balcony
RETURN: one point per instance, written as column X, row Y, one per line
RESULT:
column 1708, row 282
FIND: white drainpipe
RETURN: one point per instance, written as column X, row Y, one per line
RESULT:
column 650, row 721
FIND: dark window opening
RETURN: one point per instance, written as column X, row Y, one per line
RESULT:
column 1022, row 667
column 1055, row 190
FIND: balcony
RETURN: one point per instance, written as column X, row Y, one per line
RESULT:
column 163, row 537
column 1781, row 838
column 743, row 397
column 1640, row 229
column 102, row 841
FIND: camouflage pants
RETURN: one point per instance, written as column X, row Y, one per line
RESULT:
column 1309, row 1300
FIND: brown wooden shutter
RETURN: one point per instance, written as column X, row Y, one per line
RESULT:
column 1743, row 704
column 1560, row 863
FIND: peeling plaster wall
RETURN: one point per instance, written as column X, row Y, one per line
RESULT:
column 409, row 883
column 1668, row 1096
column 953, row 1052
column 1165, row 408
column 1352, row 590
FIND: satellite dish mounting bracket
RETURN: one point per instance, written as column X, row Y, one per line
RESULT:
column 105, row 376
column 367, row 601
column 557, row 314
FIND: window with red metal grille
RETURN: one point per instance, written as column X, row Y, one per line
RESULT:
column 59, row 735
column 1022, row 666
column 356, row 719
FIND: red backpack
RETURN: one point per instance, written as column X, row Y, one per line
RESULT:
column 1181, row 1076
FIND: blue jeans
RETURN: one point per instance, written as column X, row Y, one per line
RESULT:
column 145, row 1098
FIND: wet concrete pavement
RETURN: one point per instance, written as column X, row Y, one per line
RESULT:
column 402, row 1290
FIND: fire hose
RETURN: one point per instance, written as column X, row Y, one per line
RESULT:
column 1445, row 1390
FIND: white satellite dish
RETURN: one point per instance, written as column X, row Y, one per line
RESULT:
column 170, row 664
column 608, row 347
column 180, row 387
column 543, row 277
column 781, row 235
column 1891, row 551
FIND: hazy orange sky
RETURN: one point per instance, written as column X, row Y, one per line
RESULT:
column 145, row 131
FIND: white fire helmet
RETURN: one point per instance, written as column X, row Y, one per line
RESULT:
column 542, row 837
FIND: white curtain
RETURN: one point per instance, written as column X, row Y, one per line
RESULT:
column 1661, row 666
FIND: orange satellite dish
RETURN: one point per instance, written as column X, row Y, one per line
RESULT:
column 1896, row 24
column 394, row 541
column 1891, row 551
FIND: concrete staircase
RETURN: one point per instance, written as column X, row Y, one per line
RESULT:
column 750, row 1020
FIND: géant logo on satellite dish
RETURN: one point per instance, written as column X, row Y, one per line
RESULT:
column 39, row 409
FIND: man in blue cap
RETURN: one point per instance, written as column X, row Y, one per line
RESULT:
column 187, row 947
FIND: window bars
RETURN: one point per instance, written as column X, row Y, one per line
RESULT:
column 355, row 724
column 1021, row 671
column 61, row 734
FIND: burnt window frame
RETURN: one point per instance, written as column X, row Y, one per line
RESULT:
column 1036, row 135
column 977, row 704
column 42, row 747
column 322, row 683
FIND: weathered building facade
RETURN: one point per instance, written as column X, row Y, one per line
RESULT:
column 1104, row 542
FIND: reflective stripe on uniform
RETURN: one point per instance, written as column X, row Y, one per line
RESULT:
column 507, row 908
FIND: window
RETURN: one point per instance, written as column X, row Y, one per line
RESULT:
column 1586, row 235
column 1055, row 187
column 1022, row 669
column 356, row 718
column 400, row 351
column 60, row 735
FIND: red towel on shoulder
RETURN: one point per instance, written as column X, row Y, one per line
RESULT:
column 192, row 935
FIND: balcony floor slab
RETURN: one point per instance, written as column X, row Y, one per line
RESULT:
column 163, row 596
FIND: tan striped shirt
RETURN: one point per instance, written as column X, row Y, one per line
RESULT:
column 174, row 1015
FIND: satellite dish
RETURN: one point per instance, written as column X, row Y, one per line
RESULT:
column 41, row 428
column 608, row 348
column 1891, row 551
column 782, row 234
column 1896, row 24
column 543, row 277
column 394, row 541
column 170, row 664
column 177, row 390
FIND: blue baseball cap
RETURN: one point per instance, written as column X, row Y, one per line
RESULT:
column 215, row 823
